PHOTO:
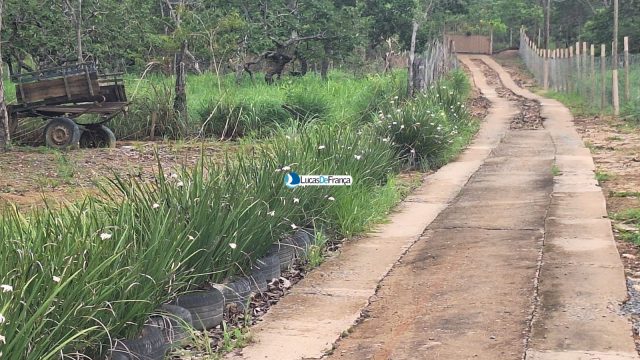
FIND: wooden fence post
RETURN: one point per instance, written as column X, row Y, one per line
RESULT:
column 593, row 73
column 545, row 70
column 578, row 76
column 603, row 74
column 627, row 88
column 615, row 93
column 570, row 72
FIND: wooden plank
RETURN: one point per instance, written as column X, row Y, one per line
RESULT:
column 104, row 108
column 77, row 86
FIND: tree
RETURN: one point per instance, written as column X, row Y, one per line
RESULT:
column 599, row 28
column 5, row 139
column 75, row 14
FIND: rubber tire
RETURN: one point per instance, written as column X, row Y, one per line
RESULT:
column 106, row 137
column 206, row 308
column 286, row 253
column 174, row 322
column 265, row 270
column 291, row 248
column 73, row 141
column 151, row 346
column 237, row 292
column 302, row 240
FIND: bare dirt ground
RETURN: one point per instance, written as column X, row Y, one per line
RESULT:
column 29, row 175
column 615, row 146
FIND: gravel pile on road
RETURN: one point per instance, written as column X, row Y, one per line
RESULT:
column 529, row 117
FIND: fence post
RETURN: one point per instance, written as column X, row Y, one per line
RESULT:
column 615, row 94
column 545, row 70
column 593, row 73
column 571, row 73
column 578, row 65
column 603, row 73
column 556, row 63
column 627, row 88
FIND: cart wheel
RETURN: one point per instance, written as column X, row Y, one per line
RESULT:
column 97, row 136
column 62, row 133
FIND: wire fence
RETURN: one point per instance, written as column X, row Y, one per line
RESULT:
column 437, row 60
column 586, row 71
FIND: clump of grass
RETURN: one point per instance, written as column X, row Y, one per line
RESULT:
column 315, row 255
column 630, row 216
column 602, row 176
column 433, row 127
column 555, row 170
column 624, row 193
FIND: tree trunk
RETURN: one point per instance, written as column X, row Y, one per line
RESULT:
column 180, row 101
column 547, row 25
column 78, row 16
column 5, row 139
column 324, row 66
column 412, row 56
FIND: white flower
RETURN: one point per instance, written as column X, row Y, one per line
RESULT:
column 331, row 198
column 105, row 236
column 358, row 157
column 174, row 176
column 3, row 340
column 6, row 288
column 413, row 151
column 296, row 200
column 417, row 123
column 294, row 226
column 321, row 147
column 56, row 279
column 180, row 184
column 2, row 319
column 233, row 245
column 191, row 237
column 155, row 205
column 401, row 126
column 287, row 136
column 272, row 213
column 286, row 168
column 395, row 123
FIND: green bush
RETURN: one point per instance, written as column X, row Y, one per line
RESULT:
column 427, row 128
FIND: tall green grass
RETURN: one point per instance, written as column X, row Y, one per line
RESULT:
column 80, row 276
column 218, row 107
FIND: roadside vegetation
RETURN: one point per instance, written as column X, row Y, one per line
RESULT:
column 75, row 277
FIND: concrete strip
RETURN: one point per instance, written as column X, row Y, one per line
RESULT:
column 579, row 355
column 307, row 322
column 582, row 281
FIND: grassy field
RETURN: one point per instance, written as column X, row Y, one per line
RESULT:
column 220, row 108
column 73, row 278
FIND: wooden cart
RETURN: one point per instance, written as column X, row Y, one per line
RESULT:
column 60, row 95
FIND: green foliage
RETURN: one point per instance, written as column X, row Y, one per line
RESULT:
column 599, row 28
column 425, row 128
column 631, row 217
column 220, row 108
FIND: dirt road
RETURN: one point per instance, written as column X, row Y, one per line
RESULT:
column 511, row 269
column 513, row 257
